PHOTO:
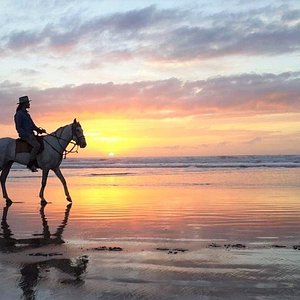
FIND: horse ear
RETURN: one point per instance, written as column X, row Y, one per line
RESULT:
column 75, row 121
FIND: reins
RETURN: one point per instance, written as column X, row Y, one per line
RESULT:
column 64, row 152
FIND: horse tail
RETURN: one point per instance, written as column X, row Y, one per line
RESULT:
column 7, row 151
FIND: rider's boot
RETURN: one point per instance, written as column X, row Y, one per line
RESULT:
column 31, row 166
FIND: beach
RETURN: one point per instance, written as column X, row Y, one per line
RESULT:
column 176, row 126
column 167, row 228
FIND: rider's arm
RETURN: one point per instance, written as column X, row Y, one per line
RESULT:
column 38, row 130
column 19, row 125
column 34, row 127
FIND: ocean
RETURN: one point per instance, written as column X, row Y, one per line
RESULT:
column 201, row 162
column 244, row 198
column 183, row 162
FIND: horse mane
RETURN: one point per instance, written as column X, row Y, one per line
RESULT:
column 62, row 127
column 59, row 129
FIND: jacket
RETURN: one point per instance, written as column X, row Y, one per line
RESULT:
column 24, row 124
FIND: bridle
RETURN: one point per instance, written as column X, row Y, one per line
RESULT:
column 75, row 142
column 74, row 133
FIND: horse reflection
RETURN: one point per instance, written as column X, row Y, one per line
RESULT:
column 31, row 272
column 10, row 244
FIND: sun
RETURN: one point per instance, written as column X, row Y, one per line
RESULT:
column 111, row 154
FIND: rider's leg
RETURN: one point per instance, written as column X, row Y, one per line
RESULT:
column 31, row 140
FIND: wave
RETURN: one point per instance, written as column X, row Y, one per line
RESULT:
column 112, row 174
column 279, row 161
column 193, row 162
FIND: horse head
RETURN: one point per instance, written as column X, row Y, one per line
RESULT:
column 77, row 134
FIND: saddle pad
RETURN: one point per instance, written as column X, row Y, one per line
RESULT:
column 23, row 147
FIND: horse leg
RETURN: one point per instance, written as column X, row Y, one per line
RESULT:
column 44, row 182
column 59, row 174
column 3, row 177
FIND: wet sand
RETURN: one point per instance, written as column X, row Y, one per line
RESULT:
column 152, row 237
column 141, row 271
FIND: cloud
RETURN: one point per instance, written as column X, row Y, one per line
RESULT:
column 293, row 15
column 113, row 28
column 167, row 34
column 233, row 95
column 255, row 140
column 28, row 72
column 267, row 31
column 19, row 40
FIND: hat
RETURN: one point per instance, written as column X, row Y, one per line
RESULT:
column 23, row 99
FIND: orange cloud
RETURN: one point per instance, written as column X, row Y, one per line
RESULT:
column 246, row 94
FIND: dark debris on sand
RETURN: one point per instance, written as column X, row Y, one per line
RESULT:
column 278, row 246
column 104, row 248
column 235, row 246
column 227, row 246
column 242, row 246
column 172, row 251
column 45, row 254
column 214, row 245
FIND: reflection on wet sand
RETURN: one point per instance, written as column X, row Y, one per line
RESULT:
column 10, row 244
column 30, row 272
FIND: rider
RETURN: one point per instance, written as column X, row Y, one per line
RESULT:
column 25, row 127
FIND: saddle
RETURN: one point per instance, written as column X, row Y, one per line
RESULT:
column 23, row 147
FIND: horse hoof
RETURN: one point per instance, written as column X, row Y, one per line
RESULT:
column 69, row 199
column 43, row 202
column 8, row 202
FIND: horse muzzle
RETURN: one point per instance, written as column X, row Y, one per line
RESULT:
column 83, row 144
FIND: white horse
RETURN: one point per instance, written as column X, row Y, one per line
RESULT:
column 50, row 158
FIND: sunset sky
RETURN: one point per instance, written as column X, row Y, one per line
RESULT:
column 155, row 78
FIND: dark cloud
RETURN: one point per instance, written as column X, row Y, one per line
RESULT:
column 254, row 32
column 20, row 40
column 293, row 15
column 234, row 95
column 172, row 34
column 114, row 28
column 28, row 72
column 139, row 20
